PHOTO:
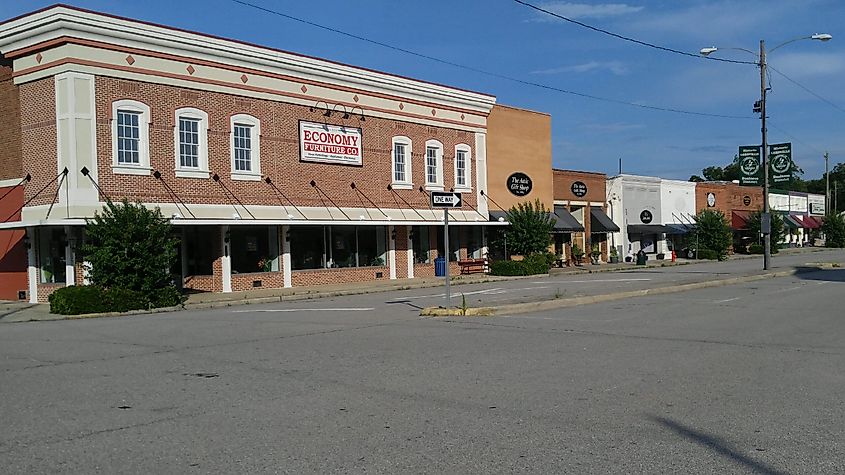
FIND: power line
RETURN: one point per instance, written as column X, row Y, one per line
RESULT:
column 628, row 38
column 489, row 73
column 769, row 122
column 805, row 88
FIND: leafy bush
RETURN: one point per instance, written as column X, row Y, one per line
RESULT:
column 538, row 263
column 834, row 230
column 75, row 300
column 123, row 300
column 708, row 254
column 778, row 228
column 530, row 228
column 713, row 232
column 755, row 249
column 166, row 297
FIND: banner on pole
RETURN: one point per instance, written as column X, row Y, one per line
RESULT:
column 749, row 165
column 780, row 162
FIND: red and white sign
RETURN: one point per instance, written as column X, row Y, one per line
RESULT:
column 330, row 144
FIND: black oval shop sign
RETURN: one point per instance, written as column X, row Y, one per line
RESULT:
column 645, row 216
column 579, row 189
column 519, row 184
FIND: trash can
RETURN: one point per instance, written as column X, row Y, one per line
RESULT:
column 440, row 267
column 641, row 258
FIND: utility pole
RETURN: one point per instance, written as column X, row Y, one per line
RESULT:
column 826, row 185
column 766, row 219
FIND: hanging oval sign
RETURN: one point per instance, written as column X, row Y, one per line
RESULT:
column 746, row 200
column 519, row 184
column 579, row 189
column 646, row 216
column 711, row 199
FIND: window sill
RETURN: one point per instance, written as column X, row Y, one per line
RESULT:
column 432, row 187
column 246, row 176
column 402, row 186
column 463, row 189
column 131, row 170
column 185, row 173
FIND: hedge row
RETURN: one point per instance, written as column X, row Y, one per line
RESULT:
column 530, row 265
column 76, row 300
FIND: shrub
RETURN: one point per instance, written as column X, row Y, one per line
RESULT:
column 166, row 297
column 713, row 232
column 755, row 249
column 534, row 264
column 75, row 300
column 124, row 300
column 834, row 230
column 530, row 228
column 708, row 254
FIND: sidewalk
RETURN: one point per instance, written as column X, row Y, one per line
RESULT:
column 11, row 311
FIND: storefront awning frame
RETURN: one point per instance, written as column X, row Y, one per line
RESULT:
column 600, row 222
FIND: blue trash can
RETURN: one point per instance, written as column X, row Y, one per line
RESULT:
column 440, row 267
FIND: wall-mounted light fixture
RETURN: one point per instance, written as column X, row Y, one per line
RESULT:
column 227, row 236
column 26, row 242
column 393, row 234
column 287, row 235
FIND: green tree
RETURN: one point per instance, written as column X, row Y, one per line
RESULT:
column 129, row 246
column 834, row 230
column 713, row 232
column 777, row 228
column 530, row 228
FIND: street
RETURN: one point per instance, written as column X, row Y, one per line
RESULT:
column 739, row 379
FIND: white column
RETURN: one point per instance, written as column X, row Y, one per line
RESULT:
column 391, row 251
column 286, row 262
column 70, row 269
column 32, row 270
column 226, row 261
column 410, row 252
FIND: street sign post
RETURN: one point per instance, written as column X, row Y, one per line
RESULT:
column 446, row 200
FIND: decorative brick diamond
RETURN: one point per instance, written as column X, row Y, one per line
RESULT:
column 355, row 98
column 38, row 58
column 462, row 117
column 303, row 89
column 433, row 112
column 244, row 79
column 401, row 106
column 191, row 70
column 130, row 60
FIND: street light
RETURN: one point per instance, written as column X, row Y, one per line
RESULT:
column 765, row 220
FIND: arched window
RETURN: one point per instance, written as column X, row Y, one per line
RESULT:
column 130, row 137
column 190, row 140
column 245, row 147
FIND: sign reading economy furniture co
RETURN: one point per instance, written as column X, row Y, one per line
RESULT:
column 330, row 144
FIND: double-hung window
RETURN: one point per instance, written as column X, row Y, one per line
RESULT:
column 463, row 167
column 246, row 147
column 130, row 137
column 191, row 143
column 434, row 164
column 402, row 163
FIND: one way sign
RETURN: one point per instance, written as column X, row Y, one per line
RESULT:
column 442, row 199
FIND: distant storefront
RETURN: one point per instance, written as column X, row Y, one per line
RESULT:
column 581, row 196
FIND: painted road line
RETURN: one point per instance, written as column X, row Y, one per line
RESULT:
column 595, row 280
column 728, row 300
column 441, row 295
column 274, row 310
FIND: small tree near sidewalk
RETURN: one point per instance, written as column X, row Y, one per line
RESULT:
column 131, row 247
column 777, row 228
column 530, row 228
column 834, row 230
column 713, row 232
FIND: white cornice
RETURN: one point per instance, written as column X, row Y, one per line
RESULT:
column 62, row 21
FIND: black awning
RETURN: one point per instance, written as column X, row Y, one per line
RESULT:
column 601, row 222
column 680, row 228
column 565, row 222
column 498, row 216
column 650, row 229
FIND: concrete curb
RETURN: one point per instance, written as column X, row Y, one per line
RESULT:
column 586, row 300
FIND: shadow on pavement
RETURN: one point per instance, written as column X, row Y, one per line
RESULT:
column 814, row 273
column 716, row 444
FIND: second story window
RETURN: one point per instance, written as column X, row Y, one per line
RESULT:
column 434, row 164
column 191, row 143
column 130, row 137
column 246, row 147
column 402, row 163
column 463, row 167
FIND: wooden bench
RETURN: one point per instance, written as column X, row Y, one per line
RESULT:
column 472, row 266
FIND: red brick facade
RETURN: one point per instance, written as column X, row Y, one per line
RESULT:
column 729, row 197
column 10, row 129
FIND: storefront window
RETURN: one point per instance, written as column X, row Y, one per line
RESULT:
column 475, row 242
column 307, row 247
column 199, row 251
column 454, row 243
column 372, row 247
column 51, row 255
column 421, row 244
column 343, row 244
column 254, row 249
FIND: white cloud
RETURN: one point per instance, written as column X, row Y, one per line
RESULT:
column 583, row 10
column 807, row 64
column 616, row 67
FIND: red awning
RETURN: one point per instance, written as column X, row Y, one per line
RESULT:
column 806, row 222
column 739, row 219
column 812, row 222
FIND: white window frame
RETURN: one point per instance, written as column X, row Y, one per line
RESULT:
column 408, row 182
column 437, row 185
column 143, row 167
column 467, row 186
column 201, row 170
column 255, row 147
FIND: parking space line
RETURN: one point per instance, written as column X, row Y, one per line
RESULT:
column 281, row 310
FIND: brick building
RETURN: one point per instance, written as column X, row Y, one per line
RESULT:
column 735, row 201
column 276, row 169
column 582, row 196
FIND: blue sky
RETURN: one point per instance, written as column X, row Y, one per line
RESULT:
column 510, row 39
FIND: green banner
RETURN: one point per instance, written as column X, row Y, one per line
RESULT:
column 780, row 162
column 749, row 166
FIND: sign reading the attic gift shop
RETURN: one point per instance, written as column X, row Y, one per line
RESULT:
column 520, row 184
column 326, row 143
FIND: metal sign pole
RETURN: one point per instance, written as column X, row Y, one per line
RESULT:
column 446, row 247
